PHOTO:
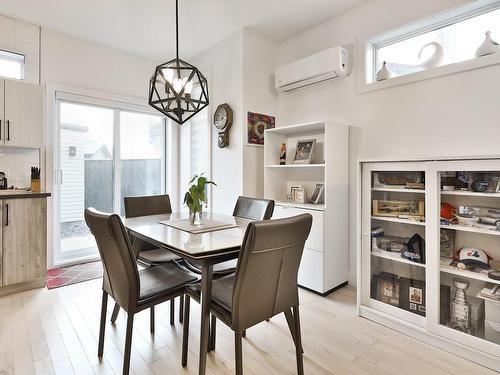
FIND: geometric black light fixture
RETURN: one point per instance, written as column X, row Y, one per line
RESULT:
column 178, row 89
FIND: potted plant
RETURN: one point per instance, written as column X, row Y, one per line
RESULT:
column 195, row 197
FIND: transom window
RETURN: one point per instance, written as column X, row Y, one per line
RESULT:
column 12, row 65
column 440, row 40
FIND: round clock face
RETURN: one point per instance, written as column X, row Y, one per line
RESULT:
column 220, row 118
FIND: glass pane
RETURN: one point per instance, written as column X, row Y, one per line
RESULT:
column 398, row 240
column 86, row 162
column 11, row 65
column 459, row 42
column 470, row 252
column 142, row 154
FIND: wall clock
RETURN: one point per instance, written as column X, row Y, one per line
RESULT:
column 223, row 119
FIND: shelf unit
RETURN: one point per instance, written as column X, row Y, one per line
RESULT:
column 324, row 264
column 439, row 275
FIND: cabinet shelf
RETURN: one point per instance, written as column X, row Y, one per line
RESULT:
column 470, row 193
column 309, row 206
column 396, row 258
column 397, row 220
column 445, row 267
column 296, row 166
column 463, row 228
column 399, row 190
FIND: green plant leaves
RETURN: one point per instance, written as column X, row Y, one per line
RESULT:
column 196, row 195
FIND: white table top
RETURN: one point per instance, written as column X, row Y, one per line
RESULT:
column 193, row 245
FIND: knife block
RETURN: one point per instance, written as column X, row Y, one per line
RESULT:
column 35, row 185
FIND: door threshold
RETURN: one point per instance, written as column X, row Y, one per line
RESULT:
column 74, row 261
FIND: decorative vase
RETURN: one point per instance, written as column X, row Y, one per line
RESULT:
column 460, row 309
column 435, row 59
column 384, row 73
column 488, row 47
column 195, row 217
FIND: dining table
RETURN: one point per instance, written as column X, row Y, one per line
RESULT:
column 204, row 248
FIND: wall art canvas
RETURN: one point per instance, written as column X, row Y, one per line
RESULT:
column 256, row 125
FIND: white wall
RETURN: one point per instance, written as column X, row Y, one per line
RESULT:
column 455, row 115
column 222, row 65
column 259, row 95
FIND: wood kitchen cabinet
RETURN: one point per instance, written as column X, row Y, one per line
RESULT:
column 21, row 114
column 24, row 240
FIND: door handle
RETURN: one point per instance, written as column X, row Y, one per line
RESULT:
column 7, row 215
column 8, row 130
column 0, row 130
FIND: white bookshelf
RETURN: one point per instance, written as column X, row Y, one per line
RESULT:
column 324, row 264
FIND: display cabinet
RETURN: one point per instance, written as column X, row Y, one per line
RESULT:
column 430, row 252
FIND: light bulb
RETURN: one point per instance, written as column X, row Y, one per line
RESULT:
column 189, row 87
column 178, row 84
column 168, row 74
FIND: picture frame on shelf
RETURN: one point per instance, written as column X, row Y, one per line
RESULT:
column 298, row 195
column 304, row 151
column 317, row 195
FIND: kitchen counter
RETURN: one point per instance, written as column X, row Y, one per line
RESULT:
column 12, row 193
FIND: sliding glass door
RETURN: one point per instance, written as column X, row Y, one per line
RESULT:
column 104, row 154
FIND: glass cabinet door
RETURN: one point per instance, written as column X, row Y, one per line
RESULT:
column 395, row 217
column 469, row 240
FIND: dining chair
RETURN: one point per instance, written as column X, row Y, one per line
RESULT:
column 264, row 284
column 147, row 253
column 133, row 290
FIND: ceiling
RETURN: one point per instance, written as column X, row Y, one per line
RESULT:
column 147, row 27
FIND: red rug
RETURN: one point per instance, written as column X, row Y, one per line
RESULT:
column 79, row 273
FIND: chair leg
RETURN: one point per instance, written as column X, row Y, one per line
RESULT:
column 298, row 345
column 185, row 331
column 116, row 310
column 172, row 311
column 128, row 344
column 267, row 320
column 152, row 319
column 213, row 333
column 102, row 327
column 244, row 333
column 238, row 353
column 291, row 324
column 181, row 309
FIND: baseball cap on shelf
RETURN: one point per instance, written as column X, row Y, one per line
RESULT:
column 473, row 256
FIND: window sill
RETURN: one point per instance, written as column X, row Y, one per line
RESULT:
column 440, row 71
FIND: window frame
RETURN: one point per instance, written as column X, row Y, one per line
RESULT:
column 434, row 22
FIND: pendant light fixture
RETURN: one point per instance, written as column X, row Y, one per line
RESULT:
column 178, row 89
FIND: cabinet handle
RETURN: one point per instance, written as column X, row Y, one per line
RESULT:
column 0, row 130
column 8, row 130
column 7, row 215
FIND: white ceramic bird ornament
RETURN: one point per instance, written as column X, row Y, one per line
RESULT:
column 435, row 59
column 488, row 47
column 384, row 73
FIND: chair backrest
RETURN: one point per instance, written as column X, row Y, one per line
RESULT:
column 147, row 205
column 267, row 270
column 254, row 208
column 121, row 277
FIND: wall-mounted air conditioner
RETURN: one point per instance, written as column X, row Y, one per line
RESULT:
column 320, row 67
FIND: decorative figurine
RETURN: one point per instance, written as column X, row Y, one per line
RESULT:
column 435, row 59
column 488, row 47
column 283, row 154
column 460, row 309
column 384, row 73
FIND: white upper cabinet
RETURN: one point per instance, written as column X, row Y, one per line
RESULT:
column 21, row 110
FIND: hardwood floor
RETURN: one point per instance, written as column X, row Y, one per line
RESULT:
column 56, row 331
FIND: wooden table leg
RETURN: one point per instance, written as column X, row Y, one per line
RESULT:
column 207, row 272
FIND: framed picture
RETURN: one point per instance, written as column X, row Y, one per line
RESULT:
column 317, row 195
column 256, row 125
column 298, row 195
column 387, row 288
column 304, row 151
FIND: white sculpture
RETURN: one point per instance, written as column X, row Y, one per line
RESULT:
column 435, row 59
column 384, row 73
column 488, row 46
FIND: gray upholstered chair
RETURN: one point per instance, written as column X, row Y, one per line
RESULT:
column 147, row 253
column 264, row 284
column 133, row 290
